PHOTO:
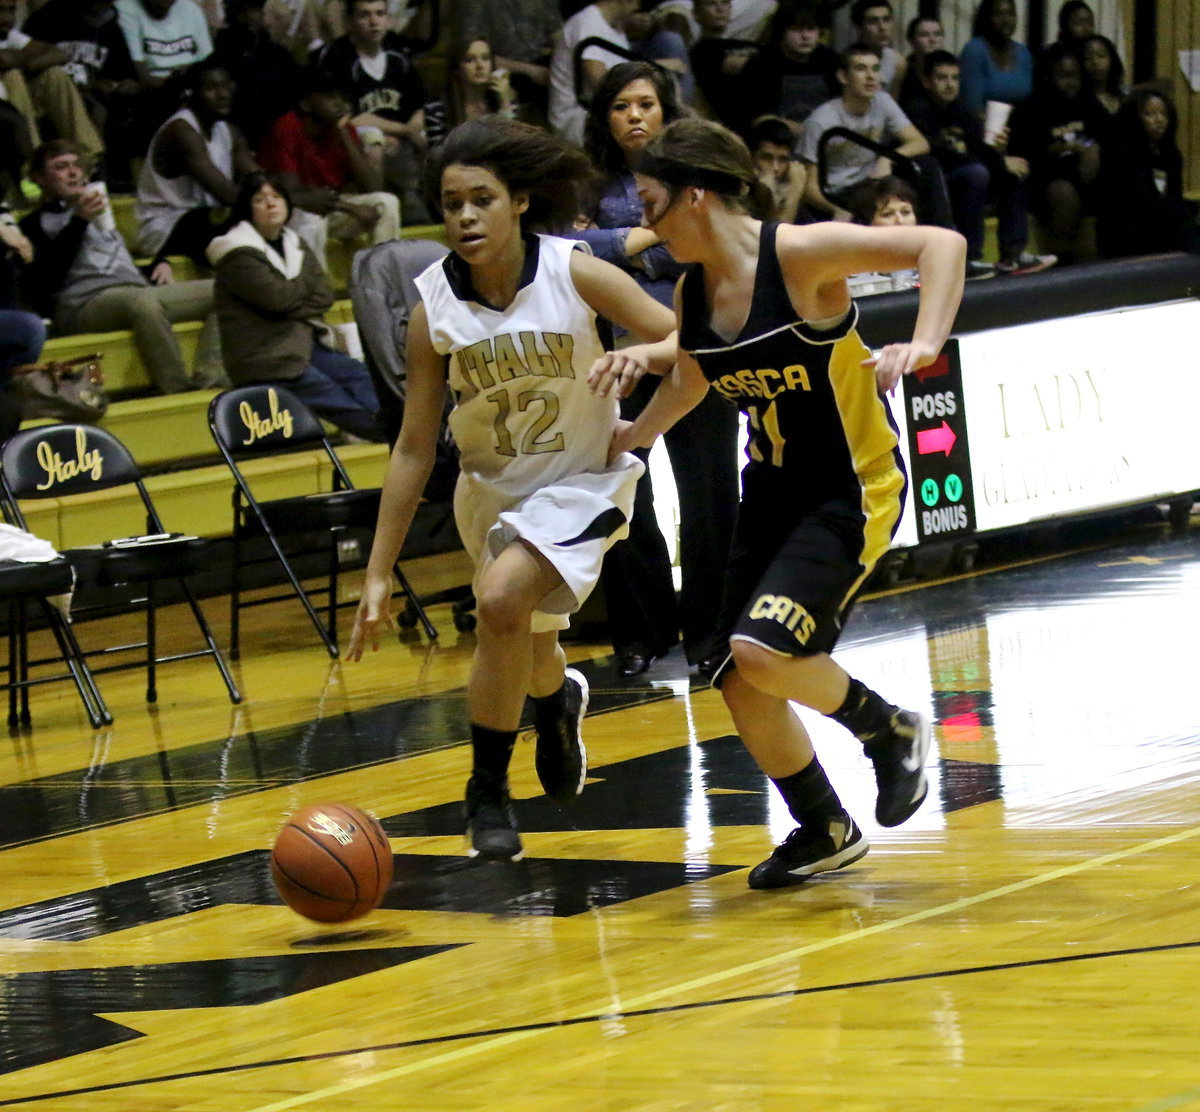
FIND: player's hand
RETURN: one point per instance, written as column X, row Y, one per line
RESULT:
column 623, row 441
column 617, row 373
column 894, row 361
column 372, row 616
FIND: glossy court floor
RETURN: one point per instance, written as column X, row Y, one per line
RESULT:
column 1030, row 940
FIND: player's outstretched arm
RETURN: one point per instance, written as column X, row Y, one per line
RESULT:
column 818, row 258
column 408, row 471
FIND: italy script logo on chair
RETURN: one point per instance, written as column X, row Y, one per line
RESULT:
column 87, row 461
column 260, row 428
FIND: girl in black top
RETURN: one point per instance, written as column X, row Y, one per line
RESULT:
column 766, row 319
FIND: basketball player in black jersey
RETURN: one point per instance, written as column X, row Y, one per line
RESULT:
column 765, row 319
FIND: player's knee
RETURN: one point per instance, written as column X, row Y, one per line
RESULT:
column 754, row 663
column 501, row 612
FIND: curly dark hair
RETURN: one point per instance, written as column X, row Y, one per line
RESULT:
column 555, row 174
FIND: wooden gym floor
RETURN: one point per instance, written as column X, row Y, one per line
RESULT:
column 1030, row 940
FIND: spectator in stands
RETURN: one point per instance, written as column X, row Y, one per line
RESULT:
column 884, row 203
column 474, row 88
column 334, row 180
column 1076, row 22
column 795, row 72
column 271, row 293
column 748, row 19
column 83, row 276
column 1103, row 72
column 16, row 145
column 34, row 82
column 416, row 22
column 867, row 110
column 296, row 25
column 189, row 177
column 98, row 62
column 718, row 63
column 994, row 65
column 377, row 70
column 924, row 36
column 770, row 143
column 975, row 172
column 604, row 19
column 522, row 34
column 165, row 39
column 1140, row 206
column 22, row 334
column 634, row 102
column 652, row 42
column 874, row 23
column 1061, row 130
column 265, row 75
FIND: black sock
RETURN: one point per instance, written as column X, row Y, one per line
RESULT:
column 491, row 752
column 810, row 797
column 865, row 714
column 549, row 709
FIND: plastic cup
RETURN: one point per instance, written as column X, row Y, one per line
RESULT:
column 995, row 119
column 105, row 221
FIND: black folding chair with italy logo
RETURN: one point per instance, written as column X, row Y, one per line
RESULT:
column 73, row 462
column 260, row 423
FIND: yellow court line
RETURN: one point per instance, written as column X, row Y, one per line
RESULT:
column 500, row 1041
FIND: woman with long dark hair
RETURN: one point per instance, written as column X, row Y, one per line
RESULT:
column 635, row 101
column 994, row 65
column 508, row 321
column 1140, row 206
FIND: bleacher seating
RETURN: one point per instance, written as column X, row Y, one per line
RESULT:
column 168, row 435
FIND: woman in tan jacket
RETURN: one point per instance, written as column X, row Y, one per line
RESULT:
column 270, row 293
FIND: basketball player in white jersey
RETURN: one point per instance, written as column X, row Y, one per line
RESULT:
column 509, row 320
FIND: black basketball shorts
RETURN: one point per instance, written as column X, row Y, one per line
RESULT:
column 793, row 574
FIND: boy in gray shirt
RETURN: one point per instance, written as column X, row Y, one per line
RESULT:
column 83, row 276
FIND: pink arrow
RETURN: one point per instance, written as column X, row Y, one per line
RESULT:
column 935, row 440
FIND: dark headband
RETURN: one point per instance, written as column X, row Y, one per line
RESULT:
column 674, row 172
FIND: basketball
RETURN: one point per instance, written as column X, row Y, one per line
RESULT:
column 331, row 863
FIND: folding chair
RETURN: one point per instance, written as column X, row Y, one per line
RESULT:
column 61, row 461
column 260, row 422
column 20, row 582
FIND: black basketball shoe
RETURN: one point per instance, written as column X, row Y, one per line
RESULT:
column 899, row 760
column 561, row 759
column 803, row 854
column 491, row 824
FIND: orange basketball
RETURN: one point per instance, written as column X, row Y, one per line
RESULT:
column 331, row 862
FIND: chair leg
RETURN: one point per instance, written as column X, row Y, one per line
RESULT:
column 85, row 683
column 235, row 597
column 12, row 668
column 235, row 696
column 333, row 585
column 23, row 664
column 305, row 601
column 428, row 626
column 151, row 646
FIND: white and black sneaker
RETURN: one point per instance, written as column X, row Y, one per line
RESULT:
column 899, row 760
column 803, row 854
column 561, row 759
column 491, row 824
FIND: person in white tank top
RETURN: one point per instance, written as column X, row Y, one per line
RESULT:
column 191, row 171
column 509, row 322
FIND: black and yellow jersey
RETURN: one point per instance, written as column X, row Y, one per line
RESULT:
column 814, row 410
